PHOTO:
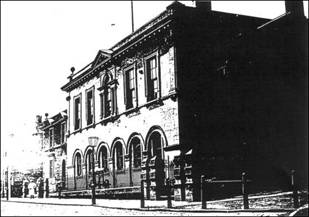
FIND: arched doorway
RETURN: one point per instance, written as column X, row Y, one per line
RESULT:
column 118, row 161
column 77, row 168
column 88, row 165
column 135, row 160
column 102, row 164
column 156, row 141
column 155, row 145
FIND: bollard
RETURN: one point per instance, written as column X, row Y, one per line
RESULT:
column 244, row 190
column 294, row 189
column 142, row 195
column 203, row 196
column 169, row 200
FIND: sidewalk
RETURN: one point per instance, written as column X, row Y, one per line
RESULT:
column 178, row 206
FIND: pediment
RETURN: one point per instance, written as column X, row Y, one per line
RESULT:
column 101, row 56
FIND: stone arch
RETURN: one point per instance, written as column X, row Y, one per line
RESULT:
column 88, row 148
column 103, row 144
column 138, row 135
column 117, row 139
column 151, row 131
column 74, row 155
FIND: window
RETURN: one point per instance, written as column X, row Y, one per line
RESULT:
column 103, row 158
column 51, row 168
column 107, row 97
column 77, row 113
column 130, row 88
column 89, row 106
column 152, row 78
column 62, row 132
column 135, row 153
column 118, row 156
column 51, row 137
column 89, row 162
column 78, row 165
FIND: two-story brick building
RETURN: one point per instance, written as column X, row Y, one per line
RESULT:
column 187, row 82
column 52, row 132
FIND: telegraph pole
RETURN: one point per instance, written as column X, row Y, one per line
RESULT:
column 132, row 16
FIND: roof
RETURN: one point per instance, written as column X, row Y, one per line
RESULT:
column 91, row 69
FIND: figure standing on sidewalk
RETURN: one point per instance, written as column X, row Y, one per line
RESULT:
column 32, row 187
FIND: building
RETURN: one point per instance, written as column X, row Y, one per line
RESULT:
column 52, row 132
column 192, row 92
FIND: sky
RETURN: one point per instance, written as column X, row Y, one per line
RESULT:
column 42, row 40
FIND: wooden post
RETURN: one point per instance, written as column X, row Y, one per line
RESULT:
column 203, row 196
column 169, row 200
column 142, row 195
column 244, row 191
column 294, row 189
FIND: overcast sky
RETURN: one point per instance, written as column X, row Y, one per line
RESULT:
column 41, row 41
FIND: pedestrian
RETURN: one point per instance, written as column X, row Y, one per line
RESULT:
column 46, row 188
column 41, row 187
column 32, row 187
column 59, row 188
column 25, row 187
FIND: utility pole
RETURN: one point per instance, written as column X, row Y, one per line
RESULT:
column 132, row 16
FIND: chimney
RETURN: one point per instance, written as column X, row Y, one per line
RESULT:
column 295, row 7
column 203, row 4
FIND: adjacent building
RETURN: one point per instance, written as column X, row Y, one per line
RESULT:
column 52, row 132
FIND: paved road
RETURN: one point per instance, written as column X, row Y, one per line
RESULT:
column 30, row 209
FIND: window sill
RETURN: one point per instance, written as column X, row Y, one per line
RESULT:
column 154, row 103
column 92, row 125
column 132, row 112
column 120, row 171
column 109, row 119
column 137, row 169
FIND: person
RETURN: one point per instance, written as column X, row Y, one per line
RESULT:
column 25, row 187
column 32, row 187
column 59, row 188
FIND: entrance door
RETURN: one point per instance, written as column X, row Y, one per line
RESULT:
column 63, row 176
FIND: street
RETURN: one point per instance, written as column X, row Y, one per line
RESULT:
column 33, row 209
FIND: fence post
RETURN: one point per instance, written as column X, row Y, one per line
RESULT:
column 203, row 196
column 244, row 190
column 142, row 195
column 169, row 200
column 294, row 189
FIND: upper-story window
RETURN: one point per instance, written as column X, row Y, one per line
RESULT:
column 62, row 132
column 152, row 78
column 130, row 89
column 107, row 97
column 77, row 113
column 51, row 137
column 90, row 106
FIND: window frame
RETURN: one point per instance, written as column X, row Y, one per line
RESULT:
column 116, row 157
column 51, row 137
column 79, row 96
column 78, row 167
column 91, row 89
column 126, row 82
column 107, row 90
column 101, row 160
column 147, row 74
column 62, row 132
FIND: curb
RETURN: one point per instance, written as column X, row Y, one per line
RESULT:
column 163, row 209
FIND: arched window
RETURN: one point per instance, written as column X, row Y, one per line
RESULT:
column 103, row 158
column 155, row 145
column 118, row 156
column 89, row 161
column 78, row 164
column 107, row 97
column 135, row 152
